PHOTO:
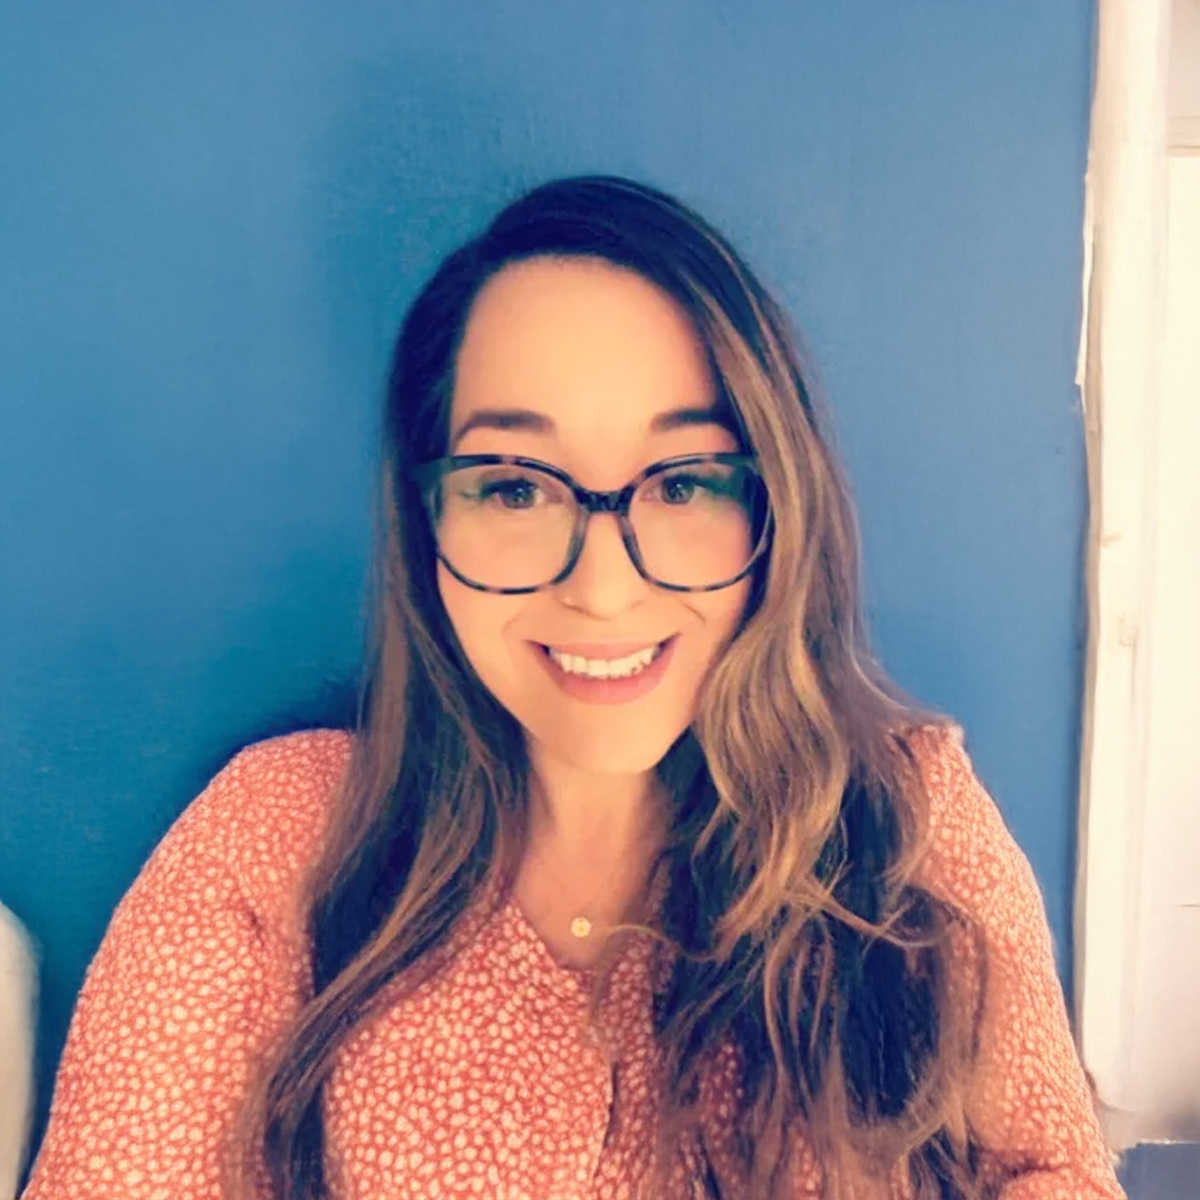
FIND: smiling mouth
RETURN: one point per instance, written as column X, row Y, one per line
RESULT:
column 624, row 667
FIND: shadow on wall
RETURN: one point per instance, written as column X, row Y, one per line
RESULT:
column 1162, row 1172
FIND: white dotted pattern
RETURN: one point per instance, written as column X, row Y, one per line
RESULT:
column 485, row 1081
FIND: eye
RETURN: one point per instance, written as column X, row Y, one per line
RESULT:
column 697, row 485
column 517, row 492
column 678, row 489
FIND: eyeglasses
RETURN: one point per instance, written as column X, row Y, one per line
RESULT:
column 511, row 525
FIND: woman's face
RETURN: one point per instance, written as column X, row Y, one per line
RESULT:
column 576, row 362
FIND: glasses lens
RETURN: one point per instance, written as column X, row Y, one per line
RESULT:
column 699, row 525
column 504, row 526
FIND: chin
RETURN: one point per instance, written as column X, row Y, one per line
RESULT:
column 633, row 756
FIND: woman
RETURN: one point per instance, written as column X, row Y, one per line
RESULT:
column 637, row 878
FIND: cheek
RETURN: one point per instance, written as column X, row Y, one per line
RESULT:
column 722, row 612
column 478, row 620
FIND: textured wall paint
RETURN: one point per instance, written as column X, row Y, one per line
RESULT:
column 211, row 218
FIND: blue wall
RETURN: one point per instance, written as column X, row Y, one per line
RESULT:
column 211, row 218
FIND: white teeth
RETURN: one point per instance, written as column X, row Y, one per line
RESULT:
column 599, row 668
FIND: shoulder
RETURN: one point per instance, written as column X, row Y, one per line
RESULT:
column 262, row 817
column 971, row 857
column 284, row 777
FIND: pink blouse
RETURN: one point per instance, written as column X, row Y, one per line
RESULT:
column 486, row 1081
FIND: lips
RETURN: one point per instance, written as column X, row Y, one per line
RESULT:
column 615, row 690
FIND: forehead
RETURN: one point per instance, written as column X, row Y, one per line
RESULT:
column 598, row 350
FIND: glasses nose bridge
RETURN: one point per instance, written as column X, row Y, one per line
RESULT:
column 617, row 503
column 605, row 502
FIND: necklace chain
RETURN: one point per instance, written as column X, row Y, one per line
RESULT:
column 581, row 925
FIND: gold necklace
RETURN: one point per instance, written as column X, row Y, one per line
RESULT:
column 581, row 926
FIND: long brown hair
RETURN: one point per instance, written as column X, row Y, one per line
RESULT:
column 793, row 923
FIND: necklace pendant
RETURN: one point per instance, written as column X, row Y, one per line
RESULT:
column 581, row 927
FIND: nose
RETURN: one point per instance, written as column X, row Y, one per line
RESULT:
column 604, row 581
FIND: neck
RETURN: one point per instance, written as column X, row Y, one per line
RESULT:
column 582, row 818
column 592, row 842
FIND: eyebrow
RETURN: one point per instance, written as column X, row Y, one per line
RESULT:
column 529, row 421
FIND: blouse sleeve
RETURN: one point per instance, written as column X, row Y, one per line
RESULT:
column 185, row 991
column 1030, row 1104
